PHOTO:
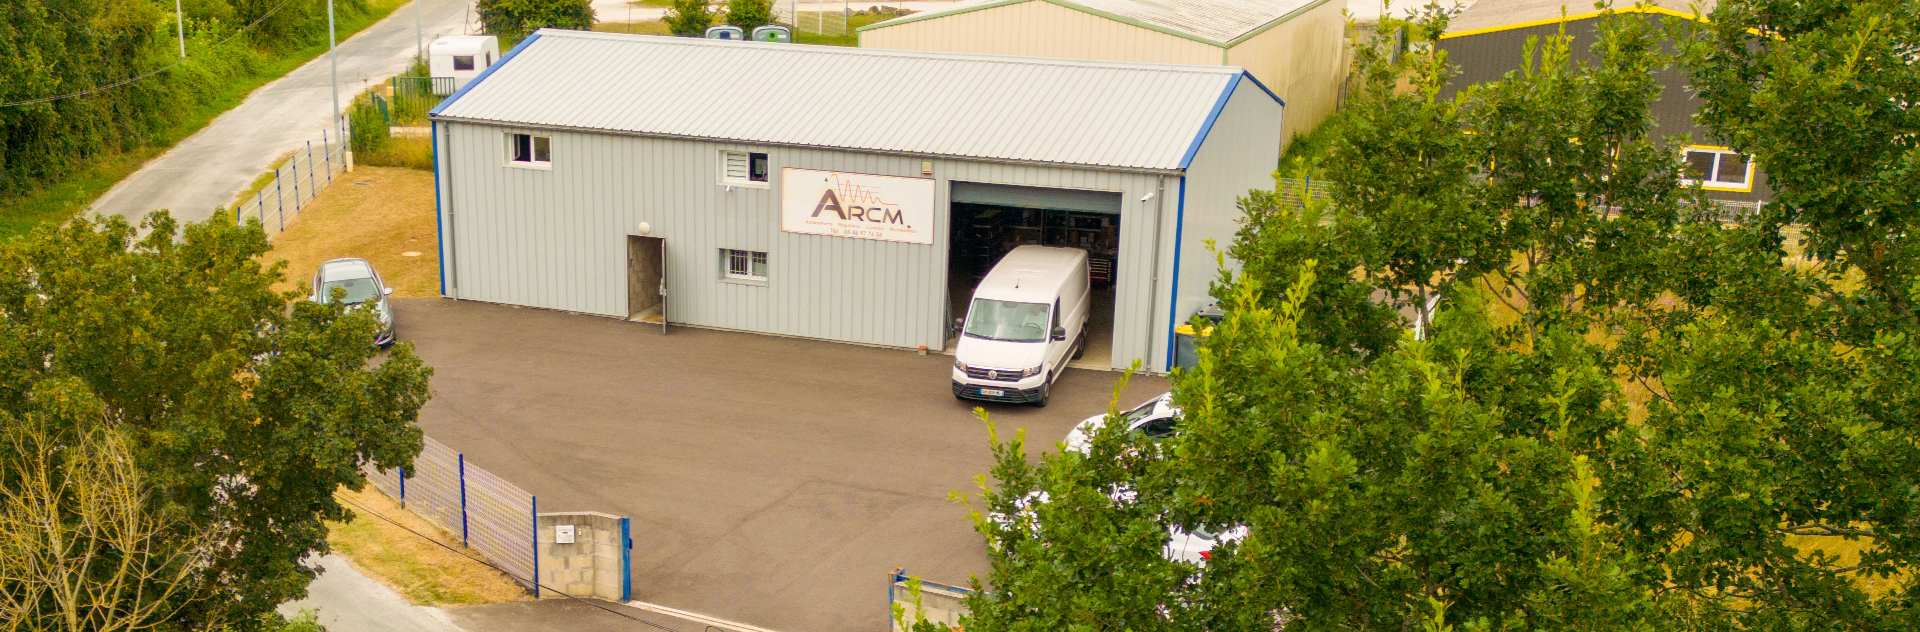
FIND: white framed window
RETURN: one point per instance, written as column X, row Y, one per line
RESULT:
column 743, row 168
column 1718, row 169
column 528, row 150
column 744, row 265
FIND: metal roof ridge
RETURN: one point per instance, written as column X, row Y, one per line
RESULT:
column 665, row 40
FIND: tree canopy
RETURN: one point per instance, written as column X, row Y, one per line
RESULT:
column 514, row 20
column 1630, row 410
column 243, row 409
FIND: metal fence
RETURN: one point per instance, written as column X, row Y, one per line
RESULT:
column 490, row 515
column 1294, row 192
column 295, row 183
column 832, row 17
column 939, row 603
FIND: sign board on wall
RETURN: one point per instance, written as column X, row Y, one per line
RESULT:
column 859, row 205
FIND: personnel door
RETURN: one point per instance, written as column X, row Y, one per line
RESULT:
column 647, row 280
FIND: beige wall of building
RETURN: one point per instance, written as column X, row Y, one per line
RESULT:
column 1302, row 60
column 1041, row 29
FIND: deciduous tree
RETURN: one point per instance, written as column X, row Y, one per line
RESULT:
column 244, row 408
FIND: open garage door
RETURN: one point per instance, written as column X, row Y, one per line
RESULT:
column 989, row 220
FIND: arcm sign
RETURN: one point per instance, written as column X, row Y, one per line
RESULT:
column 859, row 205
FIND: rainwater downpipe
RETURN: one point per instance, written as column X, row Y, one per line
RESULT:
column 1153, row 276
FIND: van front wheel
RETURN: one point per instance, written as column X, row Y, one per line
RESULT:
column 1046, row 391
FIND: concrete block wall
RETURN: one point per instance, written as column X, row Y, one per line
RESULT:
column 594, row 565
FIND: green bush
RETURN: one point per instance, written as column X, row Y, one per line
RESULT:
column 688, row 17
column 367, row 126
column 57, row 47
column 749, row 14
column 513, row 20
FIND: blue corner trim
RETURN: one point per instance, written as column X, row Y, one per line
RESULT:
column 1211, row 117
column 1173, row 302
column 484, row 74
column 535, row 511
column 1263, row 87
column 439, row 232
column 626, row 560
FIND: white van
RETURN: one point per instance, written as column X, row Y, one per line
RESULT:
column 1027, row 318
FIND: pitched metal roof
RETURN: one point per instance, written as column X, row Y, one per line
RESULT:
column 1218, row 22
column 975, row 106
column 1487, row 16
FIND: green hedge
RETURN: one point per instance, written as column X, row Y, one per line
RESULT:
column 55, row 47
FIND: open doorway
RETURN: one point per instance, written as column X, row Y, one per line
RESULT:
column 647, row 280
column 991, row 220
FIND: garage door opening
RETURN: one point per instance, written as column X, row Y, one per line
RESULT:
column 990, row 220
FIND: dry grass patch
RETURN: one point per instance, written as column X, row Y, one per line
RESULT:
column 646, row 27
column 380, row 214
column 427, row 574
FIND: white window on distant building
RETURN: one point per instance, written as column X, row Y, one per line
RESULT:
column 741, row 168
column 1718, row 169
column 744, row 265
column 528, row 150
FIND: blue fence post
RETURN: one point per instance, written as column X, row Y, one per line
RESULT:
column 536, row 545
column 326, row 150
column 293, row 161
column 463, row 498
column 280, row 202
column 313, row 184
column 626, row 560
column 403, row 488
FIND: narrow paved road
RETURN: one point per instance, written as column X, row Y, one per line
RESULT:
column 348, row 601
column 207, row 169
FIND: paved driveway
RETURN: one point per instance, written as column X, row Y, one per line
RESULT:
column 771, row 481
column 206, row 170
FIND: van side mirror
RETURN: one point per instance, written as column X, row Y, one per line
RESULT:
column 1059, row 333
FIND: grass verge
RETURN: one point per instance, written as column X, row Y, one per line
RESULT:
column 376, row 213
column 426, row 573
column 650, row 27
column 61, row 200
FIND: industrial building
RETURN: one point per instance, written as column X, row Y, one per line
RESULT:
column 1489, row 39
column 1295, row 47
column 840, row 194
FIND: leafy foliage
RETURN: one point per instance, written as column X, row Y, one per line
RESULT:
column 749, row 14
column 1624, row 414
column 243, row 408
column 689, row 17
column 68, row 46
column 513, row 20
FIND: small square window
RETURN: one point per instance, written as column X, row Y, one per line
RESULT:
column 530, row 150
column 743, row 168
column 745, row 265
column 463, row 62
column 1718, row 169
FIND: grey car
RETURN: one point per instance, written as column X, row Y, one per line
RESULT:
column 363, row 287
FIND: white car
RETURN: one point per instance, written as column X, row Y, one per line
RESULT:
column 1157, row 419
column 362, row 286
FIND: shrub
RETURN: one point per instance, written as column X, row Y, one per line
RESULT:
column 749, row 14
column 513, row 20
column 689, row 17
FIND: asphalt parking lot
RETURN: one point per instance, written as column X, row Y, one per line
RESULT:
column 771, row 481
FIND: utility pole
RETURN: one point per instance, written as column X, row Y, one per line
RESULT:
column 419, row 50
column 180, row 25
column 333, row 62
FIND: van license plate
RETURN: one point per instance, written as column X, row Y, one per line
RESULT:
column 993, row 392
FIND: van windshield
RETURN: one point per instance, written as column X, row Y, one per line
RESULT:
column 1008, row 320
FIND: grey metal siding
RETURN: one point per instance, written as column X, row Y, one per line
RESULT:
column 557, row 239
column 1240, row 155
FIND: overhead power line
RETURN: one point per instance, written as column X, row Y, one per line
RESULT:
column 142, row 77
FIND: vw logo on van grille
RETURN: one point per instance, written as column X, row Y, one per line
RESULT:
column 992, row 374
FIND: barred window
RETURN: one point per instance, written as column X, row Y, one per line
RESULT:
column 745, row 265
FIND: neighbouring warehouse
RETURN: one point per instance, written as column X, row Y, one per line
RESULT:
column 843, row 194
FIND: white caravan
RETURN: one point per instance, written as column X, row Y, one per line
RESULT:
column 1026, row 320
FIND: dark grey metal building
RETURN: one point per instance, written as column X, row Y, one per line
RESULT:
column 1486, row 41
column 835, row 193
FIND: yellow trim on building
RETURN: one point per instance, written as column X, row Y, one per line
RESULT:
column 1570, row 18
